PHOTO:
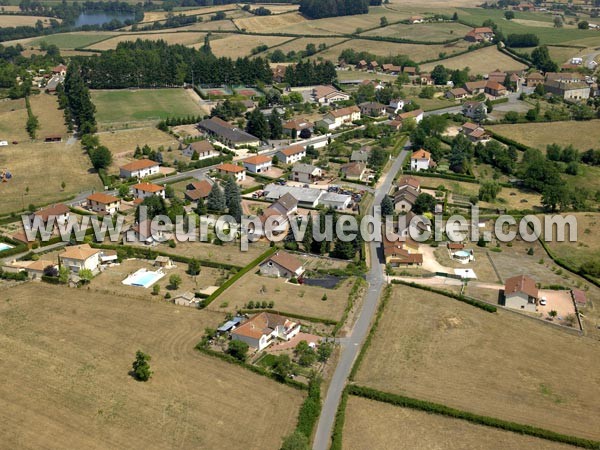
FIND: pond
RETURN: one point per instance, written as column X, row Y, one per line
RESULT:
column 100, row 18
column 324, row 281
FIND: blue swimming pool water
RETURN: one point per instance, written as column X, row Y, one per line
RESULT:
column 462, row 254
column 4, row 246
column 146, row 279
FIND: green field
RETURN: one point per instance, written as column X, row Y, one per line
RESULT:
column 537, row 23
column 71, row 40
column 142, row 105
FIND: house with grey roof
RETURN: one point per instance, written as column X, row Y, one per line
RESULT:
column 306, row 173
column 228, row 134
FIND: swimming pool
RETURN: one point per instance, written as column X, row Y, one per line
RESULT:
column 462, row 254
column 5, row 246
column 143, row 278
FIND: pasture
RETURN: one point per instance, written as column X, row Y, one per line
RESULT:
column 69, row 354
column 38, row 171
column 480, row 61
column 434, row 32
column 265, row 24
column 299, row 44
column 117, row 107
column 71, row 40
column 582, row 135
column 155, row 16
column 526, row 22
column 372, row 424
column 237, row 45
column 434, row 348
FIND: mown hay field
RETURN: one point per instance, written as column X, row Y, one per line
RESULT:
column 20, row 21
column 372, row 424
column 265, row 24
column 416, row 52
column 52, row 119
column 503, row 365
column 301, row 43
column 66, row 359
column 237, row 45
column 71, row 40
column 154, row 16
column 480, row 61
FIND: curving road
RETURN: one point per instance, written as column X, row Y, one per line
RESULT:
column 351, row 346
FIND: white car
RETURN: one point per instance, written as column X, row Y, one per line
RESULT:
column 3, row 143
column 543, row 301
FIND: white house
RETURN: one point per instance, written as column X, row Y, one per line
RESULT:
column 290, row 155
column 338, row 117
column 144, row 233
column 396, row 105
column 262, row 329
column 306, row 173
column 60, row 212
column 80, row 257
column 145, row 190
column 258, row 163
column 521, row 292
column 104, row 203
column 228, row 169
column 203, row 149
column 417, row 115
column 282, row 265
column 421, row 160
column 139, row 168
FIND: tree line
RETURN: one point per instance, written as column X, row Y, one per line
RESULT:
column 317, row 9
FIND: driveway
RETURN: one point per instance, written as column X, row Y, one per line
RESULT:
column 430, row 263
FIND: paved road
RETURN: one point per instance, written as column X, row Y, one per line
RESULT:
column 351, row 346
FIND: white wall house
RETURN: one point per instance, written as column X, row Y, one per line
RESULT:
column 290, row 155
column 104, row 203
column 421, row 160
column 59, row 212
column 80, row 257
column 145, row 190
column 521, row 293
column 263, row 329
column 140, row 168
column 258, row 164
column 228, row 169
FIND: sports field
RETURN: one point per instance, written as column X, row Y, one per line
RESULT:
column 502, row 365
column 66, row 358
column 142, row 105
column 479, row 62
column 372, row 424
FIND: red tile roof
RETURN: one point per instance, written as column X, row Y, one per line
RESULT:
column 228, row 167
column 521, row 283
column 148, row 187
column 139, row 164
column 105, row 199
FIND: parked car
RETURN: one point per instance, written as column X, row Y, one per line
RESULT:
column 543, row 301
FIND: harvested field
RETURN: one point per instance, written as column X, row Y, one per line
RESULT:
column 502, row 365
column 66, row 358
column 265, row 24
column 210, row 25
column 52, row 120
column 20, row 21
column 287, row 297
column 435, row 32
column 237, row 45
column 582, row 135
column 169, row 38
column 119, row 108
column 372, row 424
column 414, row 51
column 301, row 43
column 479, row 61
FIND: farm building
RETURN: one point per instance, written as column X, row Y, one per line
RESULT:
column 228, row 134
